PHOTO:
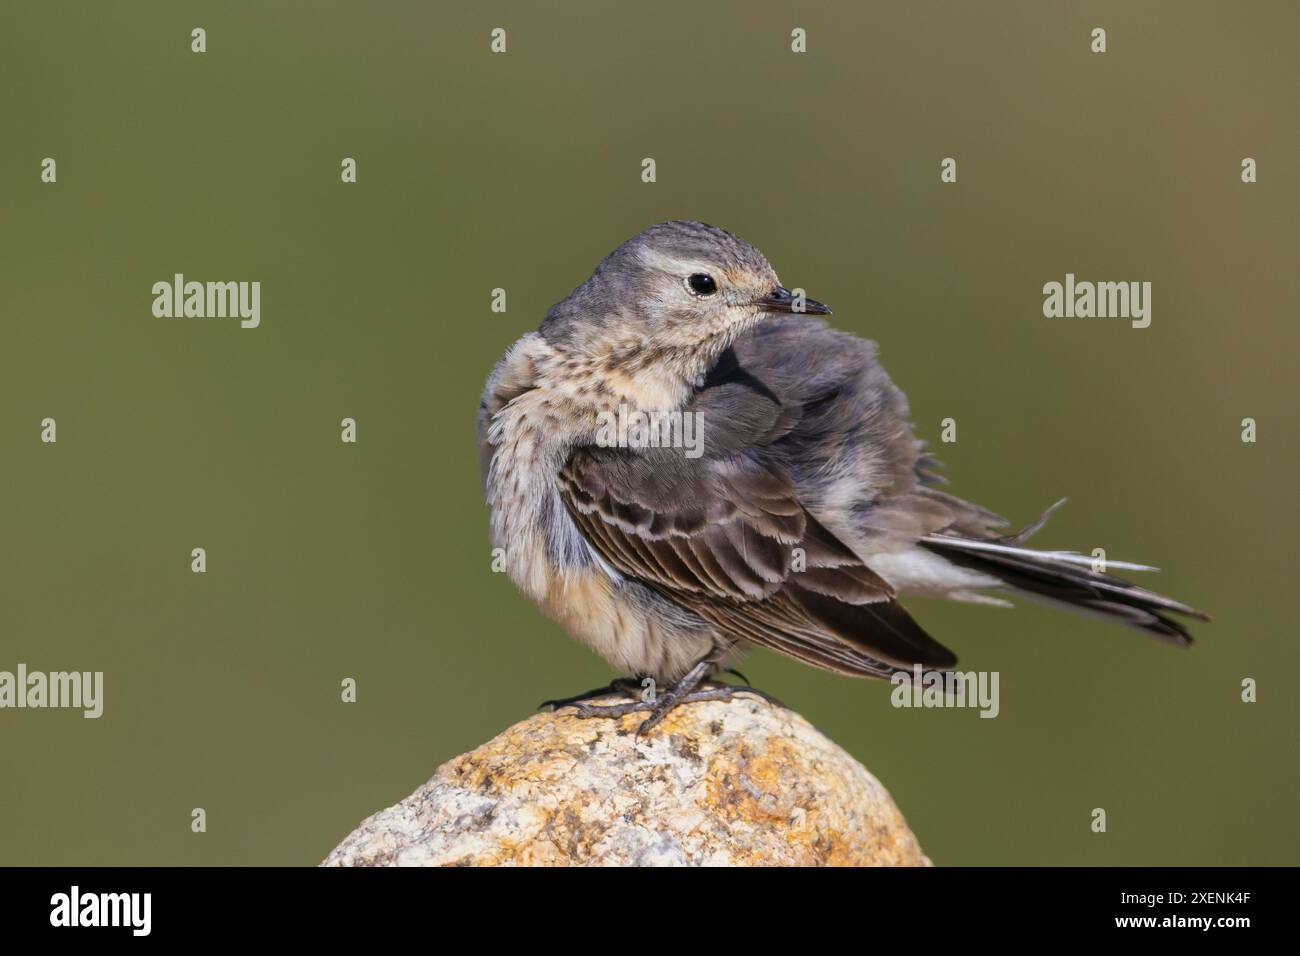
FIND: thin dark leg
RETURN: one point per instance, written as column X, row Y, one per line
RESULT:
column 721, row 692
column 667, row 699
column 631, row 686
column 687, row 690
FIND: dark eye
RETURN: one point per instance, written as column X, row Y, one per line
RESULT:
column 702, row 284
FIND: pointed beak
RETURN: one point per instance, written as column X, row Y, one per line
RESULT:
column 782, row 299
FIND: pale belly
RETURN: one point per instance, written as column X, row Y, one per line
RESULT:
column 634, row 636
column 636, row 630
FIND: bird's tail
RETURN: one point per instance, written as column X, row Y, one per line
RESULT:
column 1068, row 579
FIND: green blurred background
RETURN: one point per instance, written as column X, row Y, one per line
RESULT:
column 521, row 170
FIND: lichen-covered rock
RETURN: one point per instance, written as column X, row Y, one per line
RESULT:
column 736, row 783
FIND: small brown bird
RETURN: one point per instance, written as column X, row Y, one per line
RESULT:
column 798, row 511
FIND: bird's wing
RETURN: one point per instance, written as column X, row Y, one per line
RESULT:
column 859, row 469
column 851, row 450
column 726, row 535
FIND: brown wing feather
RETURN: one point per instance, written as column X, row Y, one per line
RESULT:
column 719, row 536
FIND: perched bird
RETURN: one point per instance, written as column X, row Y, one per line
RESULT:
column 806, row 509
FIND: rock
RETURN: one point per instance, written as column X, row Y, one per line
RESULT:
column 717, row 783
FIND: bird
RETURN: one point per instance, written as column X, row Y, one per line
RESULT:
column 807, row 508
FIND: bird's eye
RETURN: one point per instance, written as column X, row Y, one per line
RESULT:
column 702, row 284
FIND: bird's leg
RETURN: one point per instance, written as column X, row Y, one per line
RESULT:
column 629, row 686
column 696, row 695
column 653, row 703
column 679, row 693
column 687, row 690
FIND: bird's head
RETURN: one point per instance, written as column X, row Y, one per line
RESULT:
column 670, row 301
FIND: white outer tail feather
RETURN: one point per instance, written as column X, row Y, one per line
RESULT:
column 1067, row 557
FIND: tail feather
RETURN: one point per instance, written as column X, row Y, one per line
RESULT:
column 1059, row 578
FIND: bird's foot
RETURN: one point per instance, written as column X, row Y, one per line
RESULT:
column 660, row 706
column 628, row 686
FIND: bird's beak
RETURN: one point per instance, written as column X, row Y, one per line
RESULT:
column 782, row 299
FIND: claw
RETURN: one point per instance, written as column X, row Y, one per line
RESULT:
column 620, row 685
column 685, row 691
column 721, row 692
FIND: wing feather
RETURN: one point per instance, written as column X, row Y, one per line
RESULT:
column 760, row 569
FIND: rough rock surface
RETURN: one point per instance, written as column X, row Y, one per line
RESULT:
column 736, row 783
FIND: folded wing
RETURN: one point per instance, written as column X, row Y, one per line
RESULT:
column 726, row 535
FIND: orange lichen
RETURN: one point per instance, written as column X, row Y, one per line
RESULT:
column 739, row 783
